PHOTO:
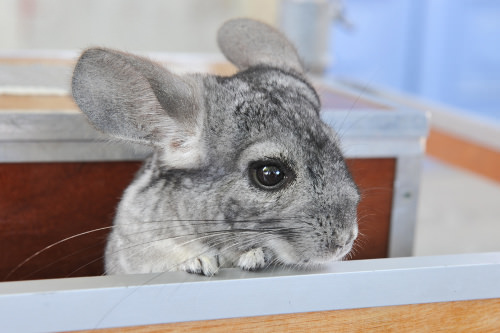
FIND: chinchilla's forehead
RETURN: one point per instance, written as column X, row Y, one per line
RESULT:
column 261, row 101
column 267, row 105
column 279, row 82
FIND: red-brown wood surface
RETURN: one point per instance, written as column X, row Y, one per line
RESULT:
column 44, row 203
column 375, row 179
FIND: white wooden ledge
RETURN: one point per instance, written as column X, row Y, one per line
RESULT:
column 116, row 301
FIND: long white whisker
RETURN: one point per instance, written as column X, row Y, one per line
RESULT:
column 51, row 246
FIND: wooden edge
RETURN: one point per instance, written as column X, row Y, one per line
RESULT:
column 464, row 153
column 463, row 316
column 35, row 60
column 36, row 102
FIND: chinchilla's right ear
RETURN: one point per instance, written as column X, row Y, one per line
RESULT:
column 247, row 43
column 132, row 98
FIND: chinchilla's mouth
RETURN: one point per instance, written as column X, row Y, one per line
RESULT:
column 338, row 254
column 285, row 254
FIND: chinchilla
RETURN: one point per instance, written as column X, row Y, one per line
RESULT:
column 244, row 173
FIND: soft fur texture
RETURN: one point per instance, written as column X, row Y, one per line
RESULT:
column 194, row 205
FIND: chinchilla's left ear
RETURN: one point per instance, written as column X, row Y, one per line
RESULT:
column 248, row 43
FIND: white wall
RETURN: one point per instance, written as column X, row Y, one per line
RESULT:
column 134, row 25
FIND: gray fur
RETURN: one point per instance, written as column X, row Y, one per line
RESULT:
column 207, row 213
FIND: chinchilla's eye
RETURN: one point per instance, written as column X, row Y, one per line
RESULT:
column 269, row 175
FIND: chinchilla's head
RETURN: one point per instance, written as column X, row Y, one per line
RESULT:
column 252, row 144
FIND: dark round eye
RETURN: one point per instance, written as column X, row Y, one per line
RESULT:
column 268, row 176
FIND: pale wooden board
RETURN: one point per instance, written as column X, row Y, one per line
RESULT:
column 33, row 102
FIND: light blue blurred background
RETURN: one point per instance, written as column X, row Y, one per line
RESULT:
column 443, row 50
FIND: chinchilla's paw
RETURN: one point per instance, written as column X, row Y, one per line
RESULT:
column 207, row 265
column 252, row 260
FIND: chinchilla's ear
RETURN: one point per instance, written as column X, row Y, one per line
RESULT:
column 248, row 43
column 132, row 98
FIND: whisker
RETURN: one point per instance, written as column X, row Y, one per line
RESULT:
column 214, row 235
column 51, row 246
column 210, row 221
column 135, row 289
column 152, row 243
column 26, row 277
column 220, row 237
column 204, row 222
column 206, row 235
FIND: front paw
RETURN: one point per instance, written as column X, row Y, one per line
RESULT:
column 252, row 260
column 206, row 265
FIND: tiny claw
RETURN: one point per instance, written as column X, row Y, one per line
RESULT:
column 252, row 260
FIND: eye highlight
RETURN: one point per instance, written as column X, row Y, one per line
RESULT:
column 269, row 175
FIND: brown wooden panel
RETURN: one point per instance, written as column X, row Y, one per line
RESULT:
column 464, row 153
column 464, row 316
column 44, row 203
column 375, row 179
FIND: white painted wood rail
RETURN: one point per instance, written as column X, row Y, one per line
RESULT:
column 116, row 301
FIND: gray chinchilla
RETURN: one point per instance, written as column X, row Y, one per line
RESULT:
column 244, row 173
